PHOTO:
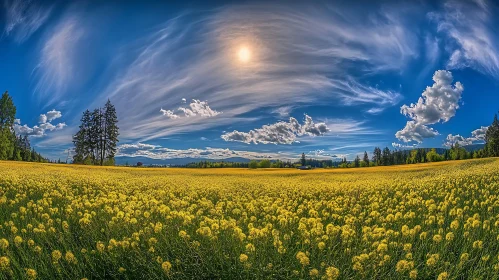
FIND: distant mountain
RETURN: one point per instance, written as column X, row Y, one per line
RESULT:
column 183, row 161
column 474, row 147
column 174, row 161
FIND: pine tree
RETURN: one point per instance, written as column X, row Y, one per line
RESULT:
column 81, row 139
column 303, row 160
column 377, row 156
column 97, row 138
column 366, row 158
column 111, row 133
column 25, row 148
column 386, row 158
column 492, row 138
column 357, row 161
column 96, row 135
column 7, row 117
column 17, row 149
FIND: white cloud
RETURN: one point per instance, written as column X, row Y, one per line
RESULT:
column 283, row 111
column 432, row 50
column 375, row 111
column 56, row 69
column 44, row 125
column 196, row 108
column 138, row 146
column 199, row 108
column 169, row 113
column 403, row 146
column 278, row 133
column 37, row 131
column 457, row 139
column 49, row 116
column 23, row 18
column 414, row 131
column 52, row 115
column 42, row 118
column 158, row 152
column 437, row 104
column 320, row 152
column 469, row 27
column 299, row 57
column 477, row 135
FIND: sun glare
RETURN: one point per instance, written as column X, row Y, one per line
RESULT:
column 244, row 54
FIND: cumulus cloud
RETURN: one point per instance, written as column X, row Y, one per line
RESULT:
column 37, row 131
column 414, row 131
column 45, row 124
column 199, row 108
column 158, row 152
column 52, row 115
column 23, row 18
column 49, row 116
column 169, row 113
column 438, row 103
column 457, row 139
column 42, row 118
column 477, row 136
column 196, row 108
column 278, row 133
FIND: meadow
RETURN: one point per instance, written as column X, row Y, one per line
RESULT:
column 422, row 221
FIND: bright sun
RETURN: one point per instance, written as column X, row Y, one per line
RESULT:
column 244, row 54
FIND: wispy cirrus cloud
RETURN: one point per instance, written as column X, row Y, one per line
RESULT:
column 57, row 69
column 23, row 18
column 469, row 29
column 298, row 56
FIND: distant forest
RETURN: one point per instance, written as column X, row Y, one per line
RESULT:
column 380, row 157
column 12, row 146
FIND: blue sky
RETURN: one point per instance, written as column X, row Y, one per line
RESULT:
column 253, row 79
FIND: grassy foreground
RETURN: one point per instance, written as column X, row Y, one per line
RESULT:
column 423, row 221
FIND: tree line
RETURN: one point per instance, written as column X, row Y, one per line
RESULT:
column 12, row 146
column 96, row 140
column 380, row 157
column 387, row 157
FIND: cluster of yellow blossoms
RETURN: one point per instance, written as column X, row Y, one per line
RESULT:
column 428, row 221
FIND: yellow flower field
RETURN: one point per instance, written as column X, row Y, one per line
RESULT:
column 427, row 221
